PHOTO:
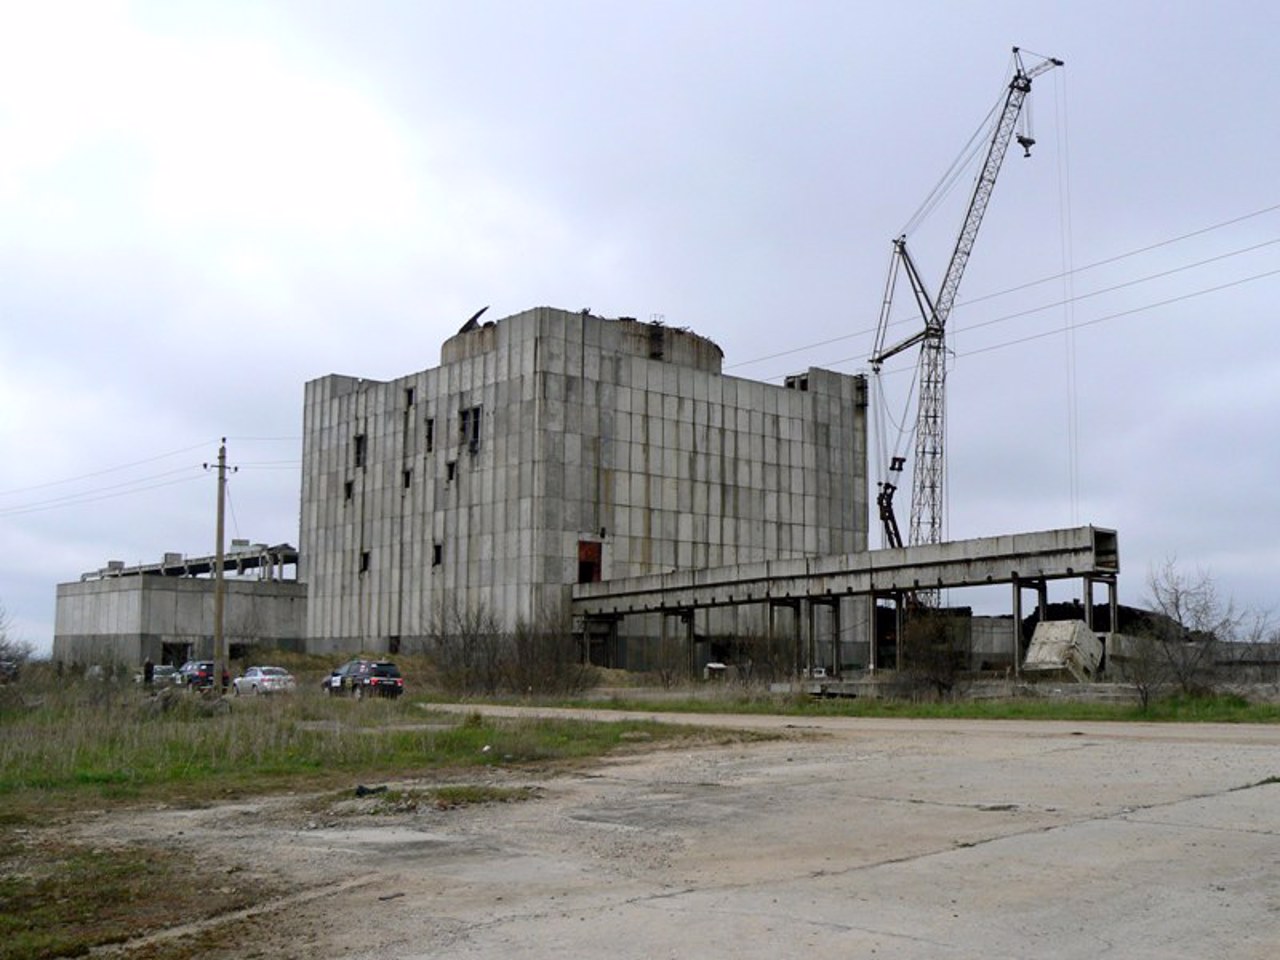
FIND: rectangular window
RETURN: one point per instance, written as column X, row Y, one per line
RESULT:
column 450, row 470
column 348, row 489
column 364, row 561
column 407, row 479
column 408, row 396
column 469, row 428
column 431, row 434
column 437, row 554
column 360, row 449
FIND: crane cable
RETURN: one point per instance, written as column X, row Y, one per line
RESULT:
column 951, row 177
column 1068, row 294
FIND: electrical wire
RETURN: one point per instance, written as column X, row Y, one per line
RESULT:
column 1068, row 295
column 862, row 358
column 71, row 501
column 1122, row 313
column 105, row 471
column 1076, row 271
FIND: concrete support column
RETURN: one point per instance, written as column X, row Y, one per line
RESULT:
column 871, row 632
column 1113, row 605
column 810, row 634
column 836, row 668
column 1042, row 600
column 899, row 626
column 1017, row 627
column 691, row 641
column 1088, row 603
column 663, row 649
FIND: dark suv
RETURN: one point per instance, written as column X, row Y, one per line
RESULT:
column 365, row 678
column 198, row 674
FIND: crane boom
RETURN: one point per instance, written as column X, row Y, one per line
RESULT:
column 930, row 434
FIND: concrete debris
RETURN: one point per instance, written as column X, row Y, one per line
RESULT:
column 1063, row 650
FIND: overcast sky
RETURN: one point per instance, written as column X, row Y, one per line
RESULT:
column 205, row 205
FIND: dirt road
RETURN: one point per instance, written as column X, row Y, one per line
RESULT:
column 849, row 838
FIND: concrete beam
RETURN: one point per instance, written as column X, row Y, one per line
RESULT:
column 1046, row 555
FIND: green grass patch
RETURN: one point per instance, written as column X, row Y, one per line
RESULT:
column 89, row 744
column 1207, row 709
column 62, row 900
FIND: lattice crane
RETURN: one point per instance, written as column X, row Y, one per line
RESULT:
column 927, row 475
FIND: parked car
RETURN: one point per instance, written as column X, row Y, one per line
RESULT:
column 162, row 675
column 365, row 678
column 8, row 671
column 257, row 680
column 198, row 674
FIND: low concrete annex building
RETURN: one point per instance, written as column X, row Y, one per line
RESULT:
column 164, row 610
column 552, row 448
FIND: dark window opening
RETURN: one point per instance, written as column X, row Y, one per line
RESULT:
column 364, row 561
column 437, row 554
column 589, row 553
column 799, row 381
column 657, row 341
column 393, row 646
column 407, row 479
column 408, row 396
column 348, row 489
column 431, row 434
column 469, row 428
column 361, row 449
column 450, row 470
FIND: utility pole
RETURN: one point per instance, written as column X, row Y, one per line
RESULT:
column 219, row 587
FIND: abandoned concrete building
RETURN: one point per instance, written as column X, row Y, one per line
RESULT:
column 552, row 448
column 559, row 464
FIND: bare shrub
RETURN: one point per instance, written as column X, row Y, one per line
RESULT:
column 766, row 657
column 1177, row 645
column 670, row 661
column 546, row 657
column 469, row 647
column 11, row 648
column 931, row 656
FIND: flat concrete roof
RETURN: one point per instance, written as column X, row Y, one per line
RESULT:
column 237, row 560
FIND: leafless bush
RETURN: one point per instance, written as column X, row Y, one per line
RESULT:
column 469, row 647
column 11, row 648
column 1191, row 635
column 766, row 657
column 670, row 662
column 931, row 658
column 547, row 658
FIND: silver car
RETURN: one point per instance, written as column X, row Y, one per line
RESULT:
column 257, row 680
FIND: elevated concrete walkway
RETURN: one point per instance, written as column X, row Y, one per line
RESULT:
column 1023, row 560
column 1085, row 552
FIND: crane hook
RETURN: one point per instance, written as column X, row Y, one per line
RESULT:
column 1026, row 143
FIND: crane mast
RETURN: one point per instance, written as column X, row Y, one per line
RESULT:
column 927, row 476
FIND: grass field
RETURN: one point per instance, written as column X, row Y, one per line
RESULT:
column 68, row 752
column 1223, row 708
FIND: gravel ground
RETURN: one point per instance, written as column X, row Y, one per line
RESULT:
column 846, row 838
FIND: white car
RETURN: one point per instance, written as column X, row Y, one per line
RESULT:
column 257, row 680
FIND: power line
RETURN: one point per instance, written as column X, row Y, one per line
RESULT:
column 71, row 501
column 1032, row 283
column 1119, row 286
column 862, row 358
column 1122, row 313
column 104, row 471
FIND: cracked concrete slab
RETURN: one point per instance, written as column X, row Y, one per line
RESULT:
column 850, row 838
